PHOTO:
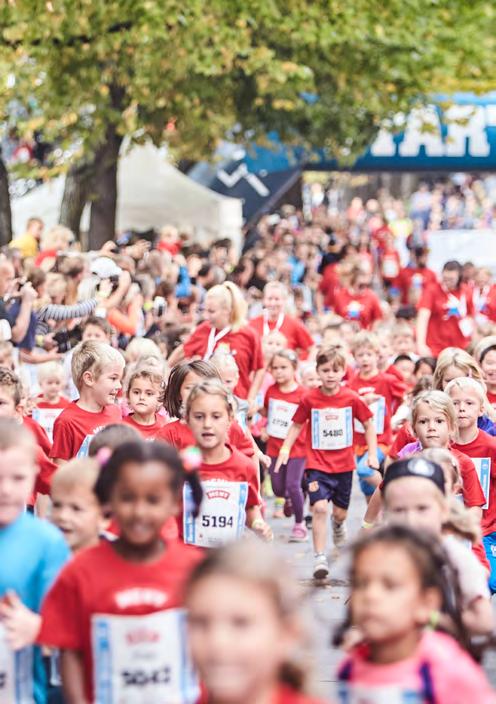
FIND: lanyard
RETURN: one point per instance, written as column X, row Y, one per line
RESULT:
column 213, row 339
column 266, row 328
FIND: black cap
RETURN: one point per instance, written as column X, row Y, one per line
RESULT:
column 415, row 467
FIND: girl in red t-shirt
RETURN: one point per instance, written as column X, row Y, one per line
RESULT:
column 144, row 392
column 116, row 610
column 247, row 592
column 281, row 401
column 230, row 481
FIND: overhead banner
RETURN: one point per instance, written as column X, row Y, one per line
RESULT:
column 476, row 246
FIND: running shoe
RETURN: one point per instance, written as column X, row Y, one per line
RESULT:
column 338, row 533
column 278, row 508
column 299, row 534
column 320, row 566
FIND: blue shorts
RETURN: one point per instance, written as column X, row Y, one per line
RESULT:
column 490, row 548
column 364, row 471
column 329, row 487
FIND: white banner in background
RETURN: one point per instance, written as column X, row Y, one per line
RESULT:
column 476, row 246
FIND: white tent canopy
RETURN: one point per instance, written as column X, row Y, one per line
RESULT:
column 151, row 193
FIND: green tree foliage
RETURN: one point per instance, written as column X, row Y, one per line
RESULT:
column 189, row 73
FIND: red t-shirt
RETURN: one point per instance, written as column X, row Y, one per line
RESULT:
column 330, row 431
column 363, row 307
column 411, row 281
column 280, row 407
column 244, row 345
column 448, row 310
column 391, row 390
column 283, row 695
column 148, row 432
column 75, row 427
column 62, row 403
column 178, row 434
column 491, row 398
column 99, row 581
column 238, row 468
column 293, row 330
column 41, row 437
column 484, row 446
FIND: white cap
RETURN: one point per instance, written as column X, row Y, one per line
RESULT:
column 104, row 268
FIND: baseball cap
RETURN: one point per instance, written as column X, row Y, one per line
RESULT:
column 415, row 467
column 104, row 268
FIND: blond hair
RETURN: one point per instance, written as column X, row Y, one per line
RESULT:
column 365, row 339
column 211, row 387
column 223, row 361
column 142, row 370
column 48, row 370
column 56, row 285
column 468, row 382
column 142, row 347
column 231, row 298
column 401, row 328
column 13, row 434
column 438, row 401
column 81, row 471
column 453, row 356
column 462, row 522
column 276, row 284
column 92, row 356
column 55, row 235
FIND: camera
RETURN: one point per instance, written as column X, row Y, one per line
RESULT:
column 63, row 341
column 159, row 305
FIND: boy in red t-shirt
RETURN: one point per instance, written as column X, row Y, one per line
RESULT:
column 144, row 392
column 381, row 392
column 50, row 403
column 97, row 370
column 331, row 410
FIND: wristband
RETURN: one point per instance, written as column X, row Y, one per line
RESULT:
column 285, row 450
column 367, row 525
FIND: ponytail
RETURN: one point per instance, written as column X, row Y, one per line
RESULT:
column 233, row 299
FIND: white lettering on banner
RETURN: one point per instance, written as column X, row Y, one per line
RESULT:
column 483, row 469
column 16, row 673
column 222, row 514
column 46, row 417
column 350, row 693
column 332, row 428
column 378, row 408
column 142, row 659
column 279, row 417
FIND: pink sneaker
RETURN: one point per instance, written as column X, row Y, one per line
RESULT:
column 299, row 533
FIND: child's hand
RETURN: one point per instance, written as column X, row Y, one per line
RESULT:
column 282, row 458
column 21, row 624
column 265, row 461
column 262, row 529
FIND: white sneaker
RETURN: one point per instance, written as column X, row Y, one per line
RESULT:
column 338, row 533
column 320, row 566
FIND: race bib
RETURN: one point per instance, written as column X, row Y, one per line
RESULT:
column 332, row 428
column 142, row 659
column 85, row 446
column 222, row 515
column 349, row 693
column 483, row 469
column 378, row 408
column 279, row 417
column 16, row 673
column 390, row 268
column 46, row 417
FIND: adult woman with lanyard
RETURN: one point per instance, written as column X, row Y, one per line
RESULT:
column 274, row 318
column 225, row 330
column 445, row 312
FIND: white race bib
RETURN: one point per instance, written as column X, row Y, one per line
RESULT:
column 332, row 428
column 279, row 417
column 483, row 469
column 142, row 659
column 16, row 673
column 390, row 268
column 378, row 408
column 350, row 693
column 46, row 417
column 222, row 515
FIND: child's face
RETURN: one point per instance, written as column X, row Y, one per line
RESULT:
column 452, row 372
column 405, row 368
column 143, row 397
column 272, row 344
column 52, row 386
column 17, row 475
column 415, row 502
column 282, row 370
column 387, row 600
column 8, row 408
column 403, row 344
column 423, row 370
column 347, row 332
column 366, row 359
column 489, row 367
column 209, row 421
column 310, row 379
column 230, row 378
column 77, row 513
column 190, row 381
column 431, row 427
column 330, row 375
column 141, row 501
column 238, row 640
column 106, row 387
column 468, row 407
column 93, row 332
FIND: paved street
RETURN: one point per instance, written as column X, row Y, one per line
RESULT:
column 328, row 600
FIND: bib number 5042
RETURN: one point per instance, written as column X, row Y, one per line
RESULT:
column 211, row 521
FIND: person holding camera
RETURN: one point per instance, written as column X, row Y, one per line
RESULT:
column 16, row 307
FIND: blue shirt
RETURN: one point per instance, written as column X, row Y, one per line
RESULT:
column 487, row 425
column 32, row 553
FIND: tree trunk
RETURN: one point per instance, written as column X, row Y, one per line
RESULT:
column 76, row 192
column 5, row 212
column 104, row 191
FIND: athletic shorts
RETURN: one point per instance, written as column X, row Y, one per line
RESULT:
column 329, row 487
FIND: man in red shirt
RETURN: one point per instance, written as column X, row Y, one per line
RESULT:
column 413, row 279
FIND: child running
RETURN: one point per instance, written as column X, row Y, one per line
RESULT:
column 116, row 610
column 50, row 403
column 144, row 393
column 331, row 410
column 97, row 370
column 229, row 479
column 281, row 401
column 401, row 581
column 246, row 591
